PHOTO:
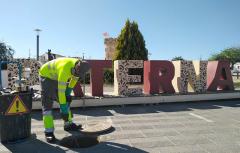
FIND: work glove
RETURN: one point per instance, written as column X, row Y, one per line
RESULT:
column 64, row 111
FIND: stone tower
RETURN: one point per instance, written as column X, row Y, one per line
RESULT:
column 110, row 44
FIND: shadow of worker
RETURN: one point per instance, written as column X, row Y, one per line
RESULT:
column 33, row 145
column 107, row 147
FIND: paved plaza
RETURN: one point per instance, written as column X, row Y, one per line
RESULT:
column 194, row 127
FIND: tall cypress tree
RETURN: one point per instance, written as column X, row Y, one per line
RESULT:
column 130, row 44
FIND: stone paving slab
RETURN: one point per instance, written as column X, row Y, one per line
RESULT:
column 164, row 128
column 3, row 149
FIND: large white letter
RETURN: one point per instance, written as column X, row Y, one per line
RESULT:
column 190, row 76
column 121, row 77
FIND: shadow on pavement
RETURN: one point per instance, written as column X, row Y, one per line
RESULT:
column 164, row 107
column 33, row 145
column 37, row 115
column 91, row 111
column 144, row 109
column 110, row 147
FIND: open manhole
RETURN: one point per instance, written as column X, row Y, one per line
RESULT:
column 79, row 141
column 88, row 136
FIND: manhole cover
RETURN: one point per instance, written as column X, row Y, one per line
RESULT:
column 79, row 141
column 97, row 126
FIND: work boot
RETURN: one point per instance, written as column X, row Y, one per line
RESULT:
column 71, row 126
column 50, row 137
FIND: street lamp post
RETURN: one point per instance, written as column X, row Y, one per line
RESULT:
column 38, row 31
column 83, row 55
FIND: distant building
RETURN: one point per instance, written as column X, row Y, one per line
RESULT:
column 110, row 45
column 45, row 57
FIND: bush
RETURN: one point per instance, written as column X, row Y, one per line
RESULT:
column 108, row 76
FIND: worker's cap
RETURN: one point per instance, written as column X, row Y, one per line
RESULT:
column 81, row 67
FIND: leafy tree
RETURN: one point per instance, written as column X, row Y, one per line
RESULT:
column 130, row 44
column 230, row 54
column 177, row 58
column 6, row 53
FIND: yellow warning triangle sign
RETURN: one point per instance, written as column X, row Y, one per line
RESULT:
column 17, row 107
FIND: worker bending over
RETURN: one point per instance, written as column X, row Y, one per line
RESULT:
column 58, row 78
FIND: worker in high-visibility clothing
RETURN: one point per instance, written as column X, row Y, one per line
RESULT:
column 58, row 78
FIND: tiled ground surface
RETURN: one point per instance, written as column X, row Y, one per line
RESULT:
column 198, row 127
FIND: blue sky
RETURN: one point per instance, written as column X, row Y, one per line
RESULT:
column 192, row 29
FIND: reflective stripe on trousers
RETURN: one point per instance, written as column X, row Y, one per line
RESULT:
column 48, row 121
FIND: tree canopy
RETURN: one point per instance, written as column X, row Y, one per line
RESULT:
column 130, row 44
column 6, row 52
column 177, row 58
column 230, row 54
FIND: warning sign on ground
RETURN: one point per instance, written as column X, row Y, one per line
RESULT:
column 17, row 107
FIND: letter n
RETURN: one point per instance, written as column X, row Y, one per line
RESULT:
column 190, row 76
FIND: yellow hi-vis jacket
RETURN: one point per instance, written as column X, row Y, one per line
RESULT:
column 60, row 70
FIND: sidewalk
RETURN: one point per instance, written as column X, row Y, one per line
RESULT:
column 198, row 127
